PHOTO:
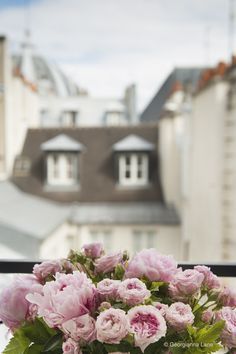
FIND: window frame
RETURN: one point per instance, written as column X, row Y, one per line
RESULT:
column 133, row 168
column 57, row 172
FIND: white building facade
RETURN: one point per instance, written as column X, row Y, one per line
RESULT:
column 197, row 155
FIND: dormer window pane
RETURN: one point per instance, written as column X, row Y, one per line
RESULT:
column 55, row 166
column 133, row 169
column 62, row 169
column 71, row 166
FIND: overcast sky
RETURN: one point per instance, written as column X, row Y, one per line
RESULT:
column 107, row 44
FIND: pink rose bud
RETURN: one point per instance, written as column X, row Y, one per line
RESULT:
column 93, row 250
column 108, row 263
column 47, row 268
column 133, row 292
column 112, row 326
column 179, row 315
column 207, row 316
column 104, row 306
column 147, row 324
column 161, row 307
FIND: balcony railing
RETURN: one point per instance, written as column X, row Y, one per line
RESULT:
column 220, row 269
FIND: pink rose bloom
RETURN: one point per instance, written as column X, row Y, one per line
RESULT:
column 151, row 264
column 93, row 250
column 227, row 296
column 112, row 326
column 207, row 316
column 107, row 289
column 161, row 307
column 147, row 324
column 133, row 291
column 14, row 308
column 108, row 263
column 179, row 315
column 211, row 281
column 43, row 270
column 82, row 327
column 70, row 347
column 69, row 296
column 228, row 335
column 186, row 283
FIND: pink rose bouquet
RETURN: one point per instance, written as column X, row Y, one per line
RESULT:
column 96, row 303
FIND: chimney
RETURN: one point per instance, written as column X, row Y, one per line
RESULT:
column 130, row 102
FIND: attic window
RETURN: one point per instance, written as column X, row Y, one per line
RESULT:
column 62, row 169
column 133, row 169
column 133, row 160
column 62, row 160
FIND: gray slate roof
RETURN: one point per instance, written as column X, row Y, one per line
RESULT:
column 26, row 220
column 124, row 214
column 187, row 77
column 62, row 142
column 27, row 214
column 133, row 143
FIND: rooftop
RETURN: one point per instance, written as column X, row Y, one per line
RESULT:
column 62, row 142
column 124, row 214
column 133, row 143
column 178, row 79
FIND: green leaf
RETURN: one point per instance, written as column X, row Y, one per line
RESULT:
column 191, row 330
column 119, row 272
column 17, row 345
column 37, row 332
column 53, row 343
column 156, row 285
column 210, row 334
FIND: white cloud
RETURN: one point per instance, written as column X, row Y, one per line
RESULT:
column 106, row 44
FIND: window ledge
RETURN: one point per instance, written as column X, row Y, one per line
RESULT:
column 72, row 188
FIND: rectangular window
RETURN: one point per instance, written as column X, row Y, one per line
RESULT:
column 133, row 169
column 62, row 169
column 70, row 118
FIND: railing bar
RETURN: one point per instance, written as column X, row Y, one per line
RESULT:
column 11, row 267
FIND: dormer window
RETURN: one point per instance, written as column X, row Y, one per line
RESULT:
column 133, row 169
column 62, row 169
column 62, row 161
column 132, row 155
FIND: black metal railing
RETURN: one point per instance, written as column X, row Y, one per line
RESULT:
column 220, row 269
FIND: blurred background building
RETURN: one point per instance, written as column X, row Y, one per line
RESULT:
column 75, row 168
